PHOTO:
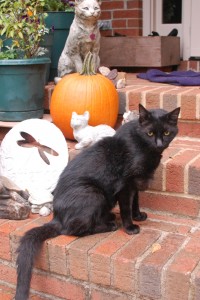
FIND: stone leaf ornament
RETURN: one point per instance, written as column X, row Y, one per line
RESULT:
column 14, row 203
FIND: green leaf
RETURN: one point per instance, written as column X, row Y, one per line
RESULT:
column 3, row 30
column 20, row 34
column 12, row 33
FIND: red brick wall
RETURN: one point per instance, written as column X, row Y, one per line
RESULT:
column 125, row 16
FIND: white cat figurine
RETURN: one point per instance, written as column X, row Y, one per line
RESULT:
column 85, row 134
column 84, row 36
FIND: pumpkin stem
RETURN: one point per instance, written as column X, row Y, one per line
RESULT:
column 88, row 65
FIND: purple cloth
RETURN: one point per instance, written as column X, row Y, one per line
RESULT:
column 186, row 78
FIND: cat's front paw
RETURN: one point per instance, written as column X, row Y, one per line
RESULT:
column 141, row 216
column 132, row 229
column 83, row 144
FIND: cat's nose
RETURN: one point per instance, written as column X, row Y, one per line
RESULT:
column 159, row 143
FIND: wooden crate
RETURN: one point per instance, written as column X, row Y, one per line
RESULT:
column 157, row 51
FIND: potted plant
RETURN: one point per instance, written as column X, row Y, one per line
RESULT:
column 22, row 61
column 60, row 14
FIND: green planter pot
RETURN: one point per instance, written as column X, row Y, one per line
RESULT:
column 47, row 42
column 22, row 84
column 60, row 22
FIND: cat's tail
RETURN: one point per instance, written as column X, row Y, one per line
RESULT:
column 30, row 244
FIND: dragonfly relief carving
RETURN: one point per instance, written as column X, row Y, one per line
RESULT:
column 30, row 142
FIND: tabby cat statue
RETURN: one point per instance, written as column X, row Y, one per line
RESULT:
column 84, row 36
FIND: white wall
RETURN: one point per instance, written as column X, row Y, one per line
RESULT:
column 190, row 32
column 195, row 28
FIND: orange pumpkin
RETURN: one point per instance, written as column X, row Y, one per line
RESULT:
column 79, row 92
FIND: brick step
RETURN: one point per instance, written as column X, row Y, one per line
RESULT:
column 176, row 184
column 162, row 262
column 189, row 129
column 165, row 96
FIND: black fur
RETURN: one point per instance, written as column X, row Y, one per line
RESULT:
column 112, row 170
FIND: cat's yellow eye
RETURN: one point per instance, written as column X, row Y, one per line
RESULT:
column 150, row 133
column 166, row 133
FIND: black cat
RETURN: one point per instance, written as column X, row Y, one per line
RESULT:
column 112, row 170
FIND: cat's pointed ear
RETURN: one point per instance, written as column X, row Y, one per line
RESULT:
column 86, row 115
column 144, row 114
column 77, row 2
column 74, row 114
column 172, row 116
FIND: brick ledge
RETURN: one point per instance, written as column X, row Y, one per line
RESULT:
column 161, row 262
